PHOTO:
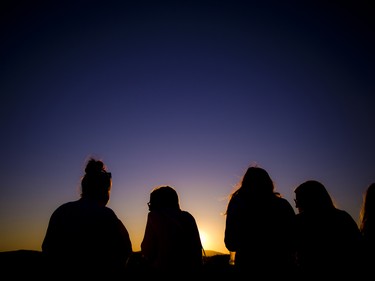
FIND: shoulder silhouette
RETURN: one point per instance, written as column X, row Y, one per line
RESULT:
column 171, row 242
column 84, row 237
column 259, row 227
column 327, row 238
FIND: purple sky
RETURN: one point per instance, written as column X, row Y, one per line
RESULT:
column 182, row 93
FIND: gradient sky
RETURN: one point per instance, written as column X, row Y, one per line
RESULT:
column 182, row 93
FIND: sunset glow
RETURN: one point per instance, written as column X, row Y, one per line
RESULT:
column 204, row 239
column 184, row 93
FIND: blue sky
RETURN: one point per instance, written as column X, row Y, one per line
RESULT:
column 185, row 93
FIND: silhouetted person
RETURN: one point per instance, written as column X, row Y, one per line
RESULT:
column 259, row 228
column 171, row 243
column 85, row 238
column 327, row 238
column 367, row 228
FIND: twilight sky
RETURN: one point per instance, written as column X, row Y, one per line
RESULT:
column 184, row 93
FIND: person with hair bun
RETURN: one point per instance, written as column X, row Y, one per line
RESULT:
column 85, row 238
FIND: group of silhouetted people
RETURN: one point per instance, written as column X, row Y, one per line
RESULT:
column 86, row 239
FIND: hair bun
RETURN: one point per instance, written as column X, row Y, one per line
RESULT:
column 94, row 167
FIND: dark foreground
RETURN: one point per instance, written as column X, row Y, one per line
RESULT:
column 28, row 264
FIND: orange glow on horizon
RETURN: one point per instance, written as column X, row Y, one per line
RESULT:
column 204, row 238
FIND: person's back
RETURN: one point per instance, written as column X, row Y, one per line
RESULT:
column 177, row 243
column 327, row 242
column 171, row 243
column 328, row 238
column 85, row 238
column 259, row 228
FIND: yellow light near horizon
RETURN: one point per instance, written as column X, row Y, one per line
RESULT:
column 204, row 238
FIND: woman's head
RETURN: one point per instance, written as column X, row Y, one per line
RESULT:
column 163, row 197
column 312, row 195
column 96, row 183
column 257, row 181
